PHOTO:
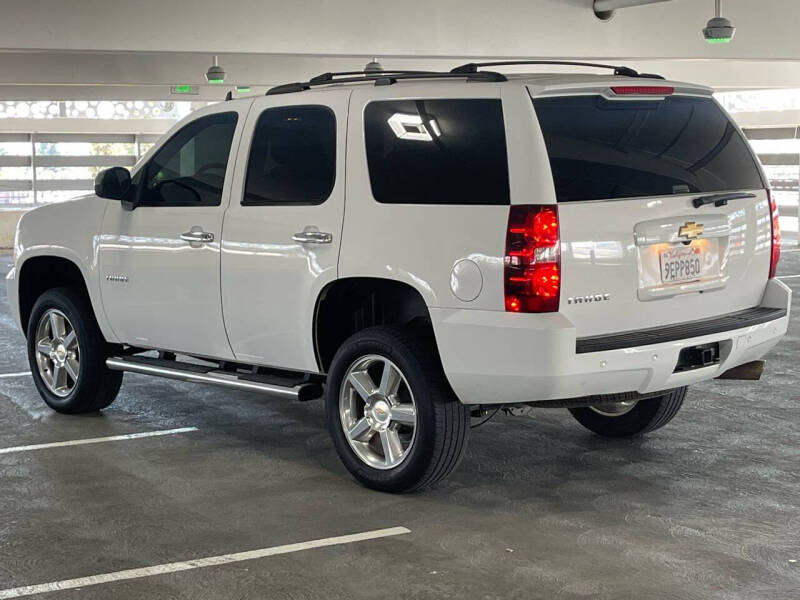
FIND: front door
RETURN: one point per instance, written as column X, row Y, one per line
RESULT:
column 283, row 227
column 159, row 264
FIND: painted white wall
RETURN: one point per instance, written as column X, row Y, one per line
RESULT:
column 392, row 28
column 95, row 45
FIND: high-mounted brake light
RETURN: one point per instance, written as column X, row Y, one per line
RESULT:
column 775, row 255
column 532, row 269
column 643, row 90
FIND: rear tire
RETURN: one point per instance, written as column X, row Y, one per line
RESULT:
column 399, row 432
column 621, row 420
column 67, row 354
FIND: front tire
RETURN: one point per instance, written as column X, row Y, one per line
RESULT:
column 395, row 423
column 67, row 354
column 626, row 419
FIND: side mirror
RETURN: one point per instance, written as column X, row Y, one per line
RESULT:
column 113, row 183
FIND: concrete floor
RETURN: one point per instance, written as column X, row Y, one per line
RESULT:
column 708, row 507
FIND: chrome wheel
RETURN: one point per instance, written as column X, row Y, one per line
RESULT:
column 615, row 409
column 57, row 352
column 378, row 412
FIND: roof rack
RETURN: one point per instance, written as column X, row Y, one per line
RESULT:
column 618, row 70
column 382, row 78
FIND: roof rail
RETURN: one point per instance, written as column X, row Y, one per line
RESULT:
column 618, row 70
column 381, row 78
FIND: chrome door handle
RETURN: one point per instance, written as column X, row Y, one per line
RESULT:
column 313, row 237
column 197, row 237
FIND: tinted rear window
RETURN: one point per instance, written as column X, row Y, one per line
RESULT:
column 437, row 151
column 602, row 149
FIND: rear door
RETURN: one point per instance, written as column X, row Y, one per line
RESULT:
column 283, row 229
column 636, row 252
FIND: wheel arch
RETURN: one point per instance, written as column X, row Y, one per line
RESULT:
column 43, row 272
column 348, row 305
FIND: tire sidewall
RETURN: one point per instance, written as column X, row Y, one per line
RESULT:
column 416, row 463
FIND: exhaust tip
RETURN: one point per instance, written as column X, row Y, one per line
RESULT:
column 748, row 371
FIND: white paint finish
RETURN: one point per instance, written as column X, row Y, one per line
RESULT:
column 493, row 357
column 420, row 244
column 466, row 280
column 199, row 563
column 13, row 375
column 172, row 297
column 66, row 230
column 599, row 256
column 270, row 283
column 100, row 440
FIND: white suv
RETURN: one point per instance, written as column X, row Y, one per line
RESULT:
column 416, row 247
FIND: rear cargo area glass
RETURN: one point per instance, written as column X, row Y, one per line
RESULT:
column 605, row 149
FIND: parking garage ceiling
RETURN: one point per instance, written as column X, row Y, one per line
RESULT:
column 138, row 49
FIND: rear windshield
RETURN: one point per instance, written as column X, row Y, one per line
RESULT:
column 437, row 151
column 603, row 149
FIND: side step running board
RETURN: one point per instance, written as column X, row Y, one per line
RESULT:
column 291, row 389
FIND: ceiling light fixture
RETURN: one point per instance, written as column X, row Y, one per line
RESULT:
column 719, row 30
column 373, row 66
column 215, row 73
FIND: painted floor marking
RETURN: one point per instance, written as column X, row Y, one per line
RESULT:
column 787, row 276
column 112, row 438
column 20, row 374
column 198, row 563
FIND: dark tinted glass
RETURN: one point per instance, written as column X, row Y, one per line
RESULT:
column 292, row 157
column 189, row 169
column 601, row 149
column 437, row 151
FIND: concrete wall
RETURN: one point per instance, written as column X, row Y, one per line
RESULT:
column 8, row 225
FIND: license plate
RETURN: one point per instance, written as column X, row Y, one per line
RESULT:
column 683, row 263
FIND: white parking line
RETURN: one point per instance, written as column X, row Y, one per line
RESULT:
column 112, row 438
column 198, row 563
column 787, row 276
column 20, row 374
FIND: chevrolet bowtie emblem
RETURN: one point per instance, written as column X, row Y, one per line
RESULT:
column 691, row 230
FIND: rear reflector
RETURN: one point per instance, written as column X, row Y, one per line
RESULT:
column 643, row 90
column 532, row 269
column 776, row 235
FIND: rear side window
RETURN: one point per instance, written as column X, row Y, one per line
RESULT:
column 437, row 151
column 292, row 157
column 604, row 149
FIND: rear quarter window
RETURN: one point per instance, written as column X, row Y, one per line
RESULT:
column 605, row 149
column 437, row 151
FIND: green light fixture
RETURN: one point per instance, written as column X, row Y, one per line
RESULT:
column 719, row 30
column 215, row 73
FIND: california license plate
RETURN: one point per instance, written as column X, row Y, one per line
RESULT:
column 682, row 263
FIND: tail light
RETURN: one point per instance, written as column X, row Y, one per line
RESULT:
column 533, row 259
column 776, row 235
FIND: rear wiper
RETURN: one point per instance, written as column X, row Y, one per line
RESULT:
column 720, row 199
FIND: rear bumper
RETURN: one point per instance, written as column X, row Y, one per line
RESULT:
column 493, row 357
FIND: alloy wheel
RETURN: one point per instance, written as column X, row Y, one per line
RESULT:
column 378, row 412
column 57, row 352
